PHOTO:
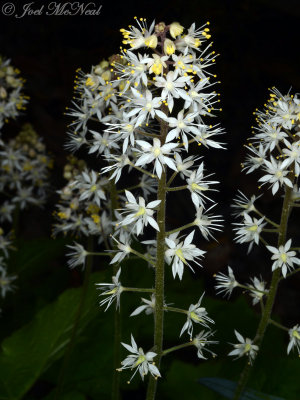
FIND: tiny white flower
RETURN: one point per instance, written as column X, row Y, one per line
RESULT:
column 207, row 222
column 201, row 341
column 112, row 291
column 6, row 284
column 294, row 342
column 257, row 290
column 148, row 306
column 276, row 174
column 249, row 230
column 197, row 185
column 139, row 213
column 138, row 359
column 77, row 256
column 197, row 315
column 283, row 258
column 245, row 347
column 157, row 153
column 226, row 283
column 179, row 253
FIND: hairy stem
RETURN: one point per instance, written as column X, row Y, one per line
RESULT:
column 265, row 317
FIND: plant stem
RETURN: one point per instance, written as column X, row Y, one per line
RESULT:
column 266, row 219
column 181, row 228
column 142, row 256
column 176, row 188
column 160, row 268
column 78, row 315
column 180, row 346
column 133, row 289
column 265, row 317
column 275, row 323
column 174, row 309
column 290, row 274
column 115, row 393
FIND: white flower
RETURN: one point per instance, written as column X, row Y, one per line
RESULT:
column 276, row 174
column 207, row 222
column 197, row 184
column 91, row 187
column 294, row 339
column 183, row 166
column 271, row 136
column 139, row 360
column 117, row 163
column 78, row 256
column 249, row 230
column 156, row 152
column 197, row 315
column 201, row 341
column 125, row 249
column 148, row 307
column 103, row 143
column 245, row 347
column 172, row 85
column 293, row 155
column 244, row 205
column 179, row 253
column 284, row 258
column 226, row 283
column 257, row 290
column 113, row 291
column 5, row 280
column 143, row 105
column 140, row 214
column 254, row 161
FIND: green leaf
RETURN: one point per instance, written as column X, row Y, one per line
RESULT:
column 226, row 388
column 28, row 352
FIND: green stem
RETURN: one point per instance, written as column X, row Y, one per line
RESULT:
column 266, row 219
column 143, row 171
column 265, row 317
column 140, row 255
column 78, row 315
column 115, row 394
column 251, row 289
column 159, row 269
column 99, row 254
column 181, row 228
column 180, row 346
column 275, row 323
column 174, row 309
column 172, row 178
column 133, row 289
column 176, row 188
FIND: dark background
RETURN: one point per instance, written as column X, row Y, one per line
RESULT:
column 258, row 43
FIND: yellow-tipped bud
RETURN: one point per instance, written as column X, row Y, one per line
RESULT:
column 176, row 29
column 169, row 47
column 151, row 41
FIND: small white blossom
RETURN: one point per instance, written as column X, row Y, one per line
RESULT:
column 112, row 291
column 245, row 347
column 283, row 258
column 257, row 290
column 294, row 342
column 139, row 360
column 179, row 253
column 249, row 230
column 139, row 214
column 157, row 153
column 226, row 283
column 197, row 315
column 201, row 341
column 77, row 256
column 276, row 174
column 148, row 306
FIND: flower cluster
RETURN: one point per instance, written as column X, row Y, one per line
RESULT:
column 12, row 100
column 142, row 110
column 25, row 167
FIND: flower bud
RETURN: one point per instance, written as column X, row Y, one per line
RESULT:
column 176, row 29
column 169, row 47
column 151, row 41
column 160, row 27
